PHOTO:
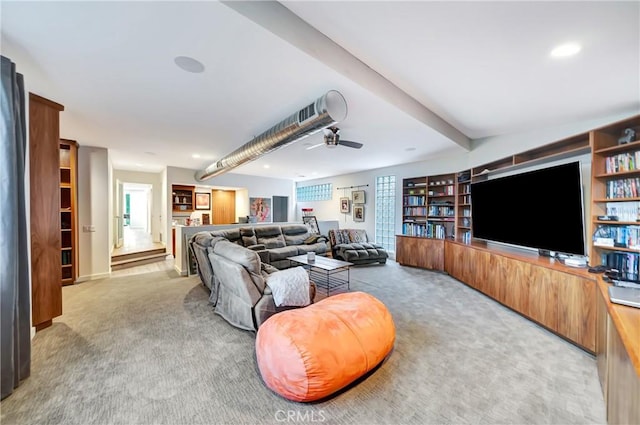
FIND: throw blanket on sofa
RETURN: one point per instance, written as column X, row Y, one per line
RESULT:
column 290, row 287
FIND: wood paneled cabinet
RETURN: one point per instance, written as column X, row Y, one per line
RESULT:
column 560, row 301
column 420, row 252
column 618, row 358
column 68, row 210
column 182, row 198
column 45, row 203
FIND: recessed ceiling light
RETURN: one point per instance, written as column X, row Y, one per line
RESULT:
column 195, row 155
column 189, row 64
column 564, row 50
column 139, row 165
column 266, row 166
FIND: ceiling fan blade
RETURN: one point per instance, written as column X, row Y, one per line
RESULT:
column 350, row 144
column 314, row 146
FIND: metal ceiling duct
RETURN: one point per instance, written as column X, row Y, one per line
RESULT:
column 326, row 111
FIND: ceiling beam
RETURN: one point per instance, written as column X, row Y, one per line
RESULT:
column 285, row 24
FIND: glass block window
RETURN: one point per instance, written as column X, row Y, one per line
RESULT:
column 385, row 212
column 318, row 192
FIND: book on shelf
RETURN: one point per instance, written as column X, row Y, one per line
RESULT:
column 623, row 188
column 628, row 161
column 625, row 211
column 621, row 236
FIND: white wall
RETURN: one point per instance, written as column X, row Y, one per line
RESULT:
column 254, row 187
column 156, row 182
column 330, row 210
column 93, row 210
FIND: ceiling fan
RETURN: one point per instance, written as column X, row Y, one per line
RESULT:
column 332, row 139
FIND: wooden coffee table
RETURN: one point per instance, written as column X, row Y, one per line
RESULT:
column 327, row 273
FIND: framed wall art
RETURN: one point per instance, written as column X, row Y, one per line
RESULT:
column 312, row 223
column 358, row 196
column 260, row 208
column 203, row 201
column 358, row 213
column 345, row 205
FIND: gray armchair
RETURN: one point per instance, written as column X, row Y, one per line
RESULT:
column 237, row 277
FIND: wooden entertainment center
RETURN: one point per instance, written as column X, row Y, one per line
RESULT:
column 569, row 301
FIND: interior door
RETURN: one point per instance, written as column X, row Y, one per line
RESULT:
column 280, row 209
column 223, row 206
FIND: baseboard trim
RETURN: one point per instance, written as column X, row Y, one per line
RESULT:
column 93, row 277
column 180, row 272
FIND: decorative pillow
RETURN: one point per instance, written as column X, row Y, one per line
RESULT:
column 290, row 287
column 312, row 239
column 357, row 235
column 249, row 240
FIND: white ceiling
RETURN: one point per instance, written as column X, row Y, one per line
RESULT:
column 483, row 67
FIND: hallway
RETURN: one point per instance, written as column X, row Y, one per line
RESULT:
column 136, row 241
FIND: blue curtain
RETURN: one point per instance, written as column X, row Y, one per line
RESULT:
column 15, row 326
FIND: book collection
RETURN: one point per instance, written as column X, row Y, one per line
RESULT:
column 626, row 263
column 66, row 258
column 411, row 200
column 625, row 211
column 623, row 188
column 441, row 211
column 428, row 230
column 628, row 161
column 417, row 211
column 618, row 236
column 414, row 229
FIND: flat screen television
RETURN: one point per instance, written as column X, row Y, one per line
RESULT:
column 540, row 209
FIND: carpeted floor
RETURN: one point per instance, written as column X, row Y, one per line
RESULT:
column 147, row 349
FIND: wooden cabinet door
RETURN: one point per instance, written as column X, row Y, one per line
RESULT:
column 44, row 174
column 543, row 297
column 223, row 206
column 576, row 313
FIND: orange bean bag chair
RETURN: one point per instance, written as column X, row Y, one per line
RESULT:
column 309, row 353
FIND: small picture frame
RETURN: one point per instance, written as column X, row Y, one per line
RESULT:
column 312, row 223
column 203, row 201
column 358, row 196
column 358, row 213
column 345, row 205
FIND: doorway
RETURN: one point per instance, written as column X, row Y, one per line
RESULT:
column 135, row 207
column 280, row 209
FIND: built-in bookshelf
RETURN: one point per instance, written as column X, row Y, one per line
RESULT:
column 428, row 206
column 68, row 211
column 414, row 206
column 182, row 198
column 463, row 206
column 441, row 210
column 615, row 197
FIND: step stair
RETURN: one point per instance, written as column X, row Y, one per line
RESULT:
column 125, row 261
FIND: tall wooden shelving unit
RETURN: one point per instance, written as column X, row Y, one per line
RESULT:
column 615, row 191
column 68, row 210
column 44, row 197
column 414, row 206
column 463, row 206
